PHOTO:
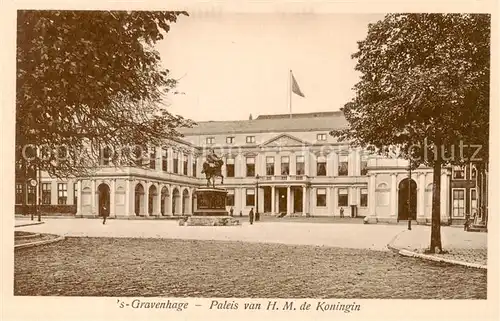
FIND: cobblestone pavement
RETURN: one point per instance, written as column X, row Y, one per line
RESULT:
column 202, row 268
column 360, row 236
column 470, row 247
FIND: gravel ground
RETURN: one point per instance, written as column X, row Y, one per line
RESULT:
column 192, row 268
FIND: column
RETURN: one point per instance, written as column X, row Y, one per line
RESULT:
column 421, row 195
column 223, row 168
column 329, row 164
column 371, row 196
column 293, row 163
column 190, row 164
column 158, row 158
column 312, row 201
column 393, row 195
column 335, row 163
column 112, row 198
column 79, row 200
column 168, row 200
column 92, row 197
column 304, row 199
column 146, row 198
column 128, row 196
column 273, row 200
column 238, row 161
column 288, row 200
column 335, row 191
column 170, row 161
column 157, row 210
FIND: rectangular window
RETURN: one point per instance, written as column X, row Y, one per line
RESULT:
column 363, row 165
column 250, row 166
column 321, row 197
column 458, row 172
column 19, row 193
column 176, row 163
column 75, row 194
column 62, row 193
column 321, row 166
column 230, row 198
column 250, row 139
column 321, row 137
column 194, row 168
column 46, row 191
column 164, row 159
column 363, row 199
column 343, row 197
column 473, row 201
column 473, row 172
column 285, row 165
column 269, row 165
column 250, row 197
column 458, row 202
column 300, row 166
column 152, row 158
column 210, row 140
column 230, row 167
column 31, row 194
column 185, row 167
column 229, row 140
column 343, row 165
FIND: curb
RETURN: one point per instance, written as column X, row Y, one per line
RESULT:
column 28, row 224
column 45, row 242
column 408, row 253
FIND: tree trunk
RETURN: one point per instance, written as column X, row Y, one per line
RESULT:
column 436, row 208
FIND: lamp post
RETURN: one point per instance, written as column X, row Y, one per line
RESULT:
column 257, row 214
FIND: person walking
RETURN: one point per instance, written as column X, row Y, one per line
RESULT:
column 104, row 214
column 250, row 216
column 231, row 211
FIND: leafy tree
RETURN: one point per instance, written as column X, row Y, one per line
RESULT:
column 424, row 89
column 89, row 82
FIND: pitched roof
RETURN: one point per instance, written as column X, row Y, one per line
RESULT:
column 271, row 123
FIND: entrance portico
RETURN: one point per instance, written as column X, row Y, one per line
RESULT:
column 287, row 199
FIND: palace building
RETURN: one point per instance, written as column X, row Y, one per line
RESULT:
column 273, row 163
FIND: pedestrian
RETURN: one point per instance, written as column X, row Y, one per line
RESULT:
column 241, row 213
column 341, row 212
column 250, row 216
column 104, row 214
column 231, row 211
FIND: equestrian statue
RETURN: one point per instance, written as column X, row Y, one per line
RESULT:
column 212, row 168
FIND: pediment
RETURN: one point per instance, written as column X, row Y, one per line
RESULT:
column 284, row 140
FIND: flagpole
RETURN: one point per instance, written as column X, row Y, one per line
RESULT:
column 290, row 92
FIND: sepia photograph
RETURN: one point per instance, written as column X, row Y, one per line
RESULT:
column 171, row 155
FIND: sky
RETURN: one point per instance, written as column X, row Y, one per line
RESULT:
column 231, row 65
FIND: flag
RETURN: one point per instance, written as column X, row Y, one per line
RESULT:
column 295, row 87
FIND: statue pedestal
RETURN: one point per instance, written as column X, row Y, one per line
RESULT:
column 210, row 209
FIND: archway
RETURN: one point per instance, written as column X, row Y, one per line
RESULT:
column 407, row 200
column 165, row 201
column 152, row 199
column 139, row 200
column 103, row 199
column 176, row 202
column 185, row 202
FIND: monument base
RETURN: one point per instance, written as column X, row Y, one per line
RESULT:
column 209, row 221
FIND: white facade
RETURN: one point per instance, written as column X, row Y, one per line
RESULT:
column 298, row 167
